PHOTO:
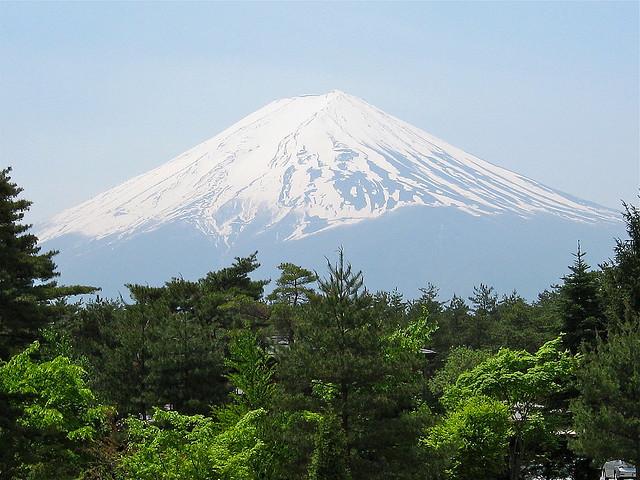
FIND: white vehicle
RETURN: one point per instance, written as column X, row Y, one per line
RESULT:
column 616, row 469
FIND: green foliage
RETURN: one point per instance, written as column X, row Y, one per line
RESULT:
column 180, row 447
column 580, row 305
column 491, row 323
column 342, row 354
column 459, row 361
column 49, row 417
column 328, row 461
column 168, row 346
column 29, row 296
column 527, row 384
column 292, row 291
column 412, row 336
column 472, row 439
column 607, row 411
column 235, row 280
column 332, row 383
column 292, row 287
column 252, row 371
column 484, row 303
column 521, row 325
column 622, row 275
column 519, row 378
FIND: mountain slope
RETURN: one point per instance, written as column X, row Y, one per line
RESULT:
column 303, row 165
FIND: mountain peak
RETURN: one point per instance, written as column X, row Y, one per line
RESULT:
column 306, row 164
column 330, row 94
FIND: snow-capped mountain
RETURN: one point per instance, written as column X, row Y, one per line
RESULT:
column 304, row 175
column 311, row 163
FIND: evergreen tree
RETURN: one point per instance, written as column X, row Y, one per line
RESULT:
column 29, row 296
column 235, row 280
column 622, row 275
column 453, row 323
column 515, row 326
column 607, row 411
column 580, row 306
column 545, row 314
column 292, row 290
column 127, row 361
column 428, row 299
column 349, row 349
column 484, row 304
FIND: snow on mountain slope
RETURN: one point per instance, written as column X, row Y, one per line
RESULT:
column 311, row 163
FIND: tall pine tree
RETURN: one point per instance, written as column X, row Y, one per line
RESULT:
column 357, row 368
column 29, row 295
column 622, row 275
column 580, row 305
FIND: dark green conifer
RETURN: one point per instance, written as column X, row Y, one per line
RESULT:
column 622, row 274
column 580, row 305
column 349, row 351
column 29, row 295
column 292, row 291
column 292, row 287
column 484, row 303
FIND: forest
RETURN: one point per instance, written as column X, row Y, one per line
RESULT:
column 313, row 376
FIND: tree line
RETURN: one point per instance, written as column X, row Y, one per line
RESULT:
column 318, row 379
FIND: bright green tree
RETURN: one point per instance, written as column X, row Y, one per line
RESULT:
column 252, row 372
column 179, row 447
column 472, row 440
column 527, row 384
column 459, row 360
column 50, row 418
column 235, row 446
column 327, row 461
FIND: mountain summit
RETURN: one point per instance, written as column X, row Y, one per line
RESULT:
column 307, row 164
column 304, row 175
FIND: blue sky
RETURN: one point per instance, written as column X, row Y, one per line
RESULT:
column 94, row 93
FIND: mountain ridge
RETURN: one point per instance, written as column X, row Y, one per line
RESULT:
column 313, row 163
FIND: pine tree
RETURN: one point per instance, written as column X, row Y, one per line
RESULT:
column 580, row 306
column 29, row 296
column 622, row 275
column 484, row 304
column 344, row 353
column 607, row 411
column 292, row 287
column 292, row 291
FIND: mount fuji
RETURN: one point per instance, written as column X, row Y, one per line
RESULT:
column 304, row 175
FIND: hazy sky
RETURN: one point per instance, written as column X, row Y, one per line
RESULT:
column 94, row 93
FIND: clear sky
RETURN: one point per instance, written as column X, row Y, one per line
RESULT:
column 94, row 93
